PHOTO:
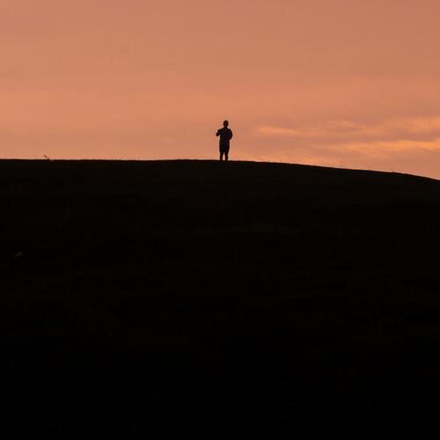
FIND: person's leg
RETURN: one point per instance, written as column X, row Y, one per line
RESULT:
column 227, row 153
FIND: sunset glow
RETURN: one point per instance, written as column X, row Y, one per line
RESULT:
column 345, row 83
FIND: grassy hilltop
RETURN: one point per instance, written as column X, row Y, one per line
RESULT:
column 182, row 297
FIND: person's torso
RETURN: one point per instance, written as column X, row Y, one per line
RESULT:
column 225, row 135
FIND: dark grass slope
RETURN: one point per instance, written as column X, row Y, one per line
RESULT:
column 196, row 298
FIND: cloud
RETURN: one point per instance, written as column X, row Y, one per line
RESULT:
column 399, row 144
column 345, row 129
column 420, row 125
column 267, row 130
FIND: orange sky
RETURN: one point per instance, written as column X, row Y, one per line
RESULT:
column 351, row 83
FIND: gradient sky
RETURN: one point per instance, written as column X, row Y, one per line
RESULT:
column 346, row 83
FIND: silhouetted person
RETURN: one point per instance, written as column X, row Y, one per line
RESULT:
column 225, row 134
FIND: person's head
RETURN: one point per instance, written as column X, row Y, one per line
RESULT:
column 225, row 123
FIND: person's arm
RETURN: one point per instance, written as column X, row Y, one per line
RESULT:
column 218, row 133
column 230, row 134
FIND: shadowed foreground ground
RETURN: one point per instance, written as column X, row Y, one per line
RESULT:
column 204, row 299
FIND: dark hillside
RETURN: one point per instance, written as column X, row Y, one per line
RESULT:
column 150, row 299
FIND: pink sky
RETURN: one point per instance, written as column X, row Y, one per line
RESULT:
column 351, row 83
